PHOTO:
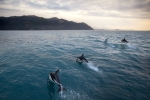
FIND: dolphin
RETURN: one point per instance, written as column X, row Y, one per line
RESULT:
column 53, row 76
column 106, row 40
column 124, row 40
column 82, row 58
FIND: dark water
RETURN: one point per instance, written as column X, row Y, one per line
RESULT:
column 115, row 71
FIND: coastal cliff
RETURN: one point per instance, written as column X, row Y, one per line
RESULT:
column 40, row 23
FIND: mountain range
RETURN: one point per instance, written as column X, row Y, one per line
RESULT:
column 39, row 23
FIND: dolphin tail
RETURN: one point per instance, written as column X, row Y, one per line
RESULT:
column 62, row 89
column 85, row 60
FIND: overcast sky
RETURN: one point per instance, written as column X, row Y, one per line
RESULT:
column 99, row 14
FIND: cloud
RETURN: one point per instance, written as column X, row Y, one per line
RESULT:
column 117, row 8
column 49, row 5
column 5, row 9
column 104, row 8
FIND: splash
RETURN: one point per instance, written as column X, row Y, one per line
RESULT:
column 131, row 46
column 109, row 44
column 73, row 95
column 61, row 89
column 91, row 66
column 112, row 45
column 61, row 93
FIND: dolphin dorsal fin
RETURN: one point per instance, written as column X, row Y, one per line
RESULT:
column 82, row 54
column 57, row 71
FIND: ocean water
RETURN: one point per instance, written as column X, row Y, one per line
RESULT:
column 116, row 71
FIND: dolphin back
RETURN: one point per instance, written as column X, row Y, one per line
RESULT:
column 82, row 58
column 56, row 77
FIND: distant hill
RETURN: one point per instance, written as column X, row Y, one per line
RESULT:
column 39, row 23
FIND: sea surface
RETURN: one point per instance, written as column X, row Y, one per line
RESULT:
column 115, row 71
